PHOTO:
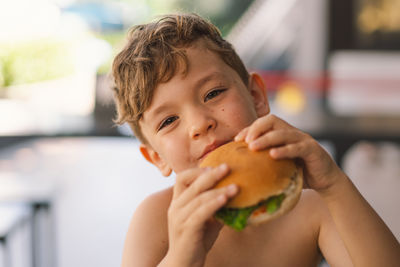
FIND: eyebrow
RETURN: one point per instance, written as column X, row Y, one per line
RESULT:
column 199, row 83
column 158, row 110
column 207, row 78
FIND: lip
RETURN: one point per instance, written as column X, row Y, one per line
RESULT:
column 209, row 148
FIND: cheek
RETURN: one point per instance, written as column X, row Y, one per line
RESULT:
column 239, row 113
column 178, row 159
column 169, row 145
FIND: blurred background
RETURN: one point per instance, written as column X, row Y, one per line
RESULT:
column 70, row 179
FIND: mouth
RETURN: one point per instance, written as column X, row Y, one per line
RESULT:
column 211, row 147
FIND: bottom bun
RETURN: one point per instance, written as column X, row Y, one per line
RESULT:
column 292, row 196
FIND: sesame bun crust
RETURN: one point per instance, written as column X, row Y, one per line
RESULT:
column 258, row 177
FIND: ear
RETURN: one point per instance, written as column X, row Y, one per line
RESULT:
column 154, row 158
column 258, row 92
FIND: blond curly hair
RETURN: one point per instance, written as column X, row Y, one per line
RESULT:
column 151, row 56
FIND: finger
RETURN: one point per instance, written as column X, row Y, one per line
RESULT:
column 185, row 179
column 242, row 134
column 297, row 150
column 263, row 125
column 300, row 165
column 204, row 182
column 276, row 138
column 200, row 210
column 258, row 127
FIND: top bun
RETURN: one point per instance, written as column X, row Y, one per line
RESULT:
column 257, row 174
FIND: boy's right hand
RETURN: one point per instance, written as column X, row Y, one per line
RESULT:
column 192, row 229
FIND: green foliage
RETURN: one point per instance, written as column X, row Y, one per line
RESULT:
column 34, row 61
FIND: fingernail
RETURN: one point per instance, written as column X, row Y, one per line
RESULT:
column 248, row 139
column 239, row 136
column 253, row 145
column 221, row 199
column 206, row 169
column 223, row 166
column 232, row 189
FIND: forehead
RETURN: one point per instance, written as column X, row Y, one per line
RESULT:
column 201, row 62
column 200, row 57
column 202, row 65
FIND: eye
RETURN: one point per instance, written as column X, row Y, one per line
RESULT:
column 214, row 93
column 167, row 122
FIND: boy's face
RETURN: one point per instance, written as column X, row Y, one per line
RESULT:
column 192, row 114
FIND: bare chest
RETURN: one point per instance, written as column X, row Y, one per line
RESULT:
column 291, row 245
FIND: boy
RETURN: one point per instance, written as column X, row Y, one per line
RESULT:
column 184, row 91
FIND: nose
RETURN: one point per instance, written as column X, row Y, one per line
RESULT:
column 201, row 124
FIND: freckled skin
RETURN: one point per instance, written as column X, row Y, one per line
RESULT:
column 175, row 227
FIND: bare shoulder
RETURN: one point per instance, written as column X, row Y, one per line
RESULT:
column 310, row 196
column 147, row 239
column 312, row 206
column 329, row 240
column 307, row 216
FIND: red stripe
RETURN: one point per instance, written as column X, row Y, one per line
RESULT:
column 322, row 81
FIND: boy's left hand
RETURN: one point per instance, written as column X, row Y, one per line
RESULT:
column 286, row 141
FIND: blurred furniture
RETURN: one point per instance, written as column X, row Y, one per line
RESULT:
column 12, row 218
column 93, row 185
column 19, row 187
column 375, row 170
column 344, row 132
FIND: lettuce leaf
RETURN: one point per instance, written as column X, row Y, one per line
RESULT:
column 237, row 218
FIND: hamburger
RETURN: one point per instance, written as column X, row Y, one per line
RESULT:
column 268, row 188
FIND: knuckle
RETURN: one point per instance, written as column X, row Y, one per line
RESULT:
column 286, row 149
column 192, row 220
column 303, row 148
column 175, row 188
column 279, row 133
column 213, row 175
column 223, row 192
column 197, row 202
column 171, row 209
column 273, row 117
column 258, row 121
column 309, row 142
column 196, row 187
column 265, row 119
column 205, row 198
column 180, row 178
column 299, row 148
column 171, row 216
column 307, row 136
